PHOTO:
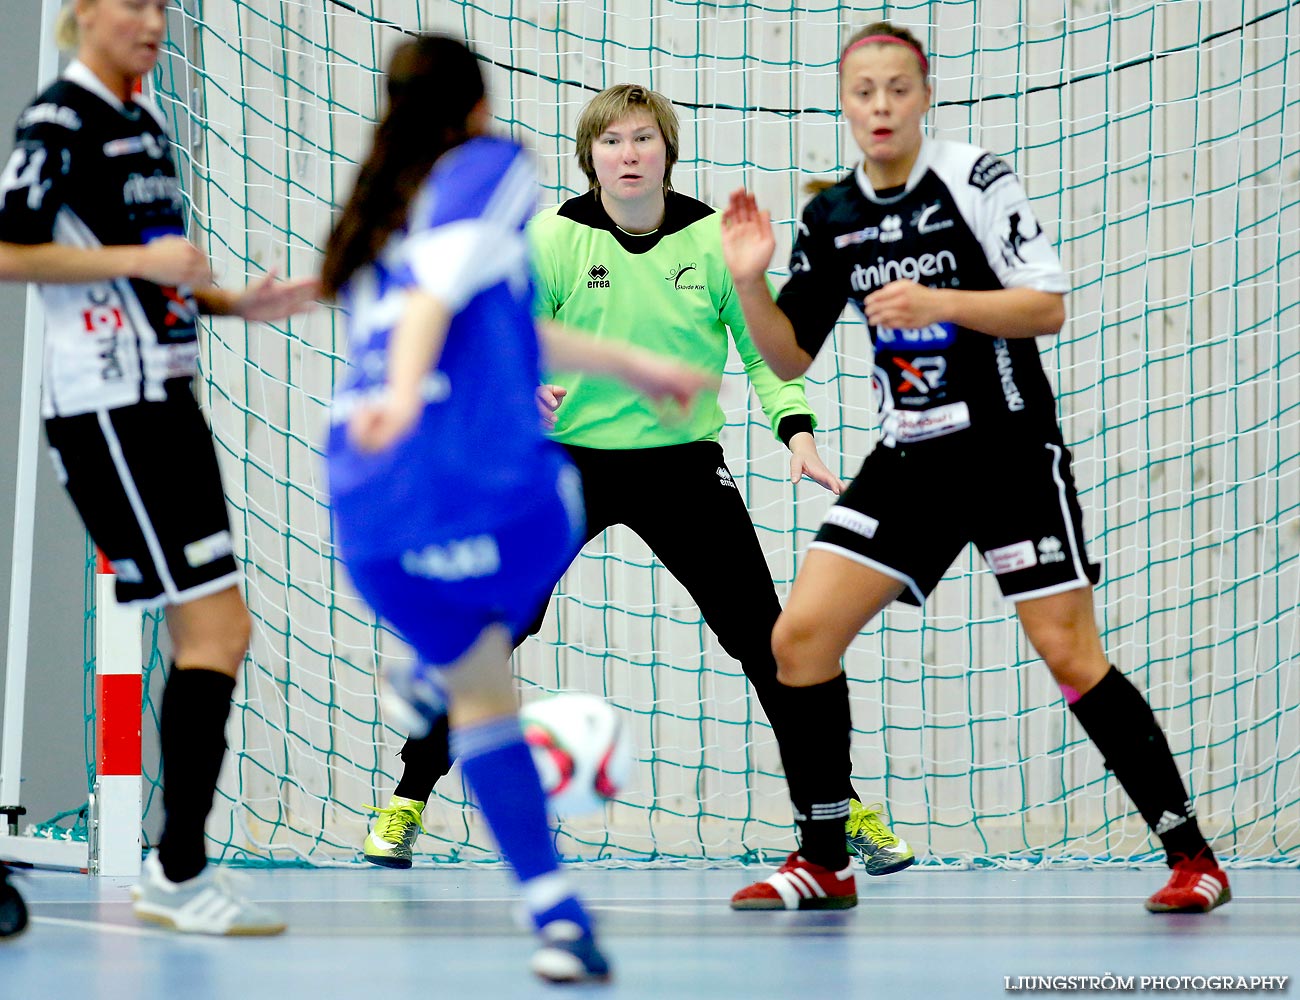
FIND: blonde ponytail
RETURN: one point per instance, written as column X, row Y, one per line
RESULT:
column 67, row 34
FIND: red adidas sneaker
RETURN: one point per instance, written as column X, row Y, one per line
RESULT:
column 1196, row 885
column 800, row 885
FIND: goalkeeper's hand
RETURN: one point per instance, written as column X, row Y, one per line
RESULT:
column 548, row 401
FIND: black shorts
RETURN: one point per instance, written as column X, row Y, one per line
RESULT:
column 910, row 512
column 144, row 479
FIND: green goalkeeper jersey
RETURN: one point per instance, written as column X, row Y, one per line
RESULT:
column 668, row 292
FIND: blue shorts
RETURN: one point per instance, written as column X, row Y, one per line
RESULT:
column 440, row 597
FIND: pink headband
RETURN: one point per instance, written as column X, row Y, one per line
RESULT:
column 894, row 39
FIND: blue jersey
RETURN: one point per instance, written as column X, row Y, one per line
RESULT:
column 477, row 455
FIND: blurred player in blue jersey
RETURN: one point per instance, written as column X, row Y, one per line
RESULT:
column 454, row 513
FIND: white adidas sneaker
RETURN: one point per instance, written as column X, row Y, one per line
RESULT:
column 204, row 904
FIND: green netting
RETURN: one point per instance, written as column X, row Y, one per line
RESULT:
column 1159, row 143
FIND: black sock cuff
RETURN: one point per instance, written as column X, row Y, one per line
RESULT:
column 194, row 695
column 201, row 681
column 424, row 761
column 1112, row 700
column 823, row 696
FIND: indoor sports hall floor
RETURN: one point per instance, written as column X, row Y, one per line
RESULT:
column 449, row 932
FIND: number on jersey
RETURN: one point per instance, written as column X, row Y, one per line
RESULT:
column 24, row 171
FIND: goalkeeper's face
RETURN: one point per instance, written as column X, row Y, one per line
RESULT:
column 630, row 158
column 122, row 37
column 885, row 97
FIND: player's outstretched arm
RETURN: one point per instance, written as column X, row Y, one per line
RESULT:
column 648, row 373
column 265, row 300
column 168, row 260
column 747, row 247
column 414, row 349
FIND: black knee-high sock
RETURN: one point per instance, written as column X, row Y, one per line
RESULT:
column 815, row 752
column 1119, row 720
column 426, row 760
column 772, row 696
column 192, row 731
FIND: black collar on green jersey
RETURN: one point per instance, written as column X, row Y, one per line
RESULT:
column 680, row 211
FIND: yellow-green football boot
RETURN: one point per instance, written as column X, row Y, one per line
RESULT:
column 391, row 840
column 882, row 851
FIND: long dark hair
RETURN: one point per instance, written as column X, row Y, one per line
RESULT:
column 434, row 82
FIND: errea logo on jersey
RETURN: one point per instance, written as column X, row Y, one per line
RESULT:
column 684, row 276
column 599, row 275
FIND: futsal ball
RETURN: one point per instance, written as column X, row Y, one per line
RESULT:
column 582, row 750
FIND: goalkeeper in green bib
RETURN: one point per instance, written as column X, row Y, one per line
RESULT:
column 633, row 261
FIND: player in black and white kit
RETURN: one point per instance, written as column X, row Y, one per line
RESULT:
column 92, row 211
column 935, row 245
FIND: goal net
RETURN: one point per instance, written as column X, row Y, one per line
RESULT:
column 1159, row 143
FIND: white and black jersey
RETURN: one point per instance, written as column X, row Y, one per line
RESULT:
column 88, row 170
column 962, row 220
column 127, row 438
column 973, row 451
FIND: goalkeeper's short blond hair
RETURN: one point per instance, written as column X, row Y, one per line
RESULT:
column 614, row 104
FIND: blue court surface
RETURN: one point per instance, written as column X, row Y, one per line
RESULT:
column 451, row 932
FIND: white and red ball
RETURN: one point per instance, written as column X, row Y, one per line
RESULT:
column 582, row 749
